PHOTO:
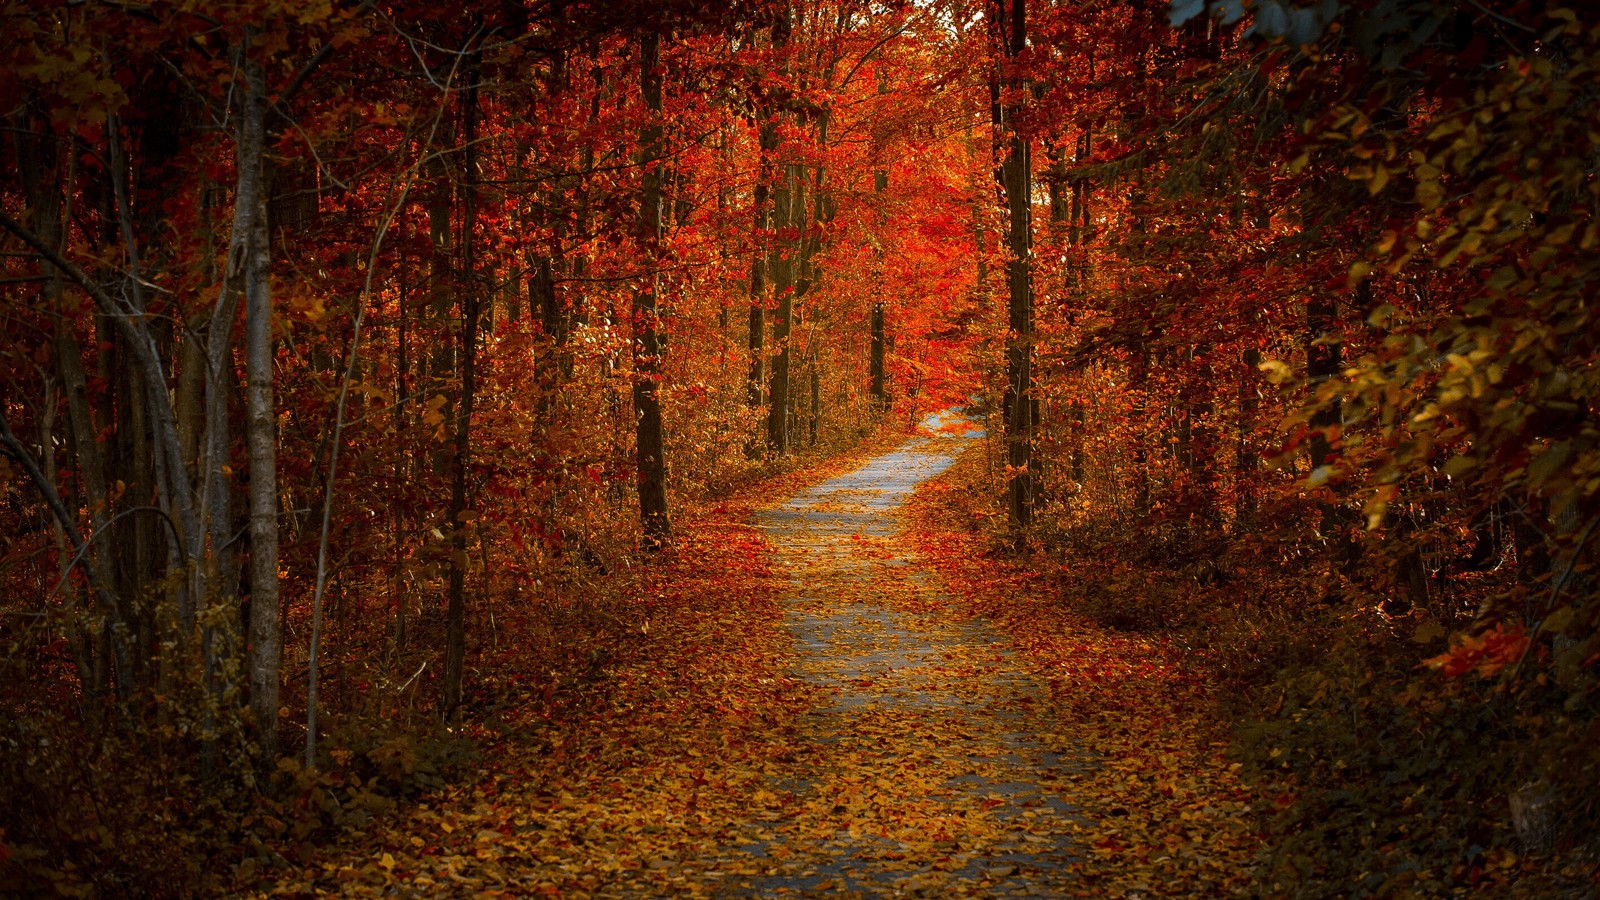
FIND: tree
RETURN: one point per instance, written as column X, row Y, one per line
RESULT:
column 647, row 342
column 1009, row 27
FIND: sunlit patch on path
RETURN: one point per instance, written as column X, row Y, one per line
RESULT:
column 925, row 768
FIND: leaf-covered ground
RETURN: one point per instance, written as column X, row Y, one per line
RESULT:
column 837, row 694
column 1161, row 809
column 923, row 767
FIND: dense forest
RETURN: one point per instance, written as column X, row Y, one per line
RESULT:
column 371, row 368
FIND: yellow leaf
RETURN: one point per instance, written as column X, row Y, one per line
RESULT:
column 1276, row 371
column 1427, row 632
column 1557, row 622
column 1430, row 194
column 1380, row 178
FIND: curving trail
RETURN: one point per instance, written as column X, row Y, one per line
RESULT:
column 926, row 769
column 865, row 736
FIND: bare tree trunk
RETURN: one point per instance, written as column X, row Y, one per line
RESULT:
column 141, row 463
column 809, row 274
column 455, row 644
column 647, row 342
column 1247, row 459
column 1323, row 359
column 1016, row 178
column 790, row 208
column 876, row 370
column 1139, row 380
column 815, row 421
column 980, row 231
column 440, row 362
column 131, row 325
column 767, row 142
column 1198, row 444
column 261, row 418
column 1065, row 201
column 12, row 448
column 879, row 387
column 38, row 162
column 880, row 188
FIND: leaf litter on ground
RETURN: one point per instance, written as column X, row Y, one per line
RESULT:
column 833, row 695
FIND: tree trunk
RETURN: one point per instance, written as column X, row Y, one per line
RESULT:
column 124, row 317
column 1200, row 448
column 790, row 209
column 880, row 188
column 136, row 460
column 809, row 274
column 1247, row 459
column 1065, row 201
column 647, row 343
column 455, row 642
column 1016, row 179
column 816, row 404
column 879, row 385
column 1139, row 381
column 767, row 143
column 261, row 419
column 1323, row 358
column 38, row 165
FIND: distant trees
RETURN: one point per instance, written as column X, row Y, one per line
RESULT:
column 333, row 313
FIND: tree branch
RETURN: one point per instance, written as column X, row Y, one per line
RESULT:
column 105, row 301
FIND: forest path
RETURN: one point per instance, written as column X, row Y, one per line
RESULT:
column 922, row 769
column 793, row 703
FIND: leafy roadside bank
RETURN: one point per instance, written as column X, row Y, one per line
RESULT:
column 1354, row 770
column 624, row 776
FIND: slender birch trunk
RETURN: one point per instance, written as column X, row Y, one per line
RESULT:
column 261, row 419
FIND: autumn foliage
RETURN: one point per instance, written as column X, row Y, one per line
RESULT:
column 357, row 358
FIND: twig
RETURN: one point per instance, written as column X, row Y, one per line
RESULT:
column 402, row 688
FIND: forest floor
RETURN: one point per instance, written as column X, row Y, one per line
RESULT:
column 843, row 693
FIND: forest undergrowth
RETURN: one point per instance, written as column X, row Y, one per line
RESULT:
column 622, row 766
column 550, row 689
column 1246, row 721
column 624, row 770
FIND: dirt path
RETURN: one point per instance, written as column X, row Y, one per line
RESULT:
column 926, row 768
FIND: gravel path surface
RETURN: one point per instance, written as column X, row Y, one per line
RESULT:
column 923, row 775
